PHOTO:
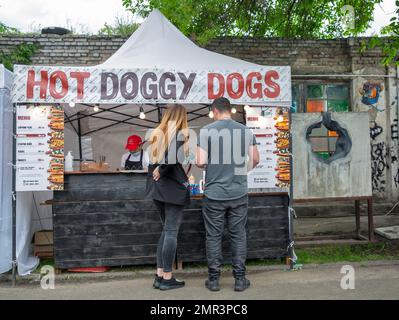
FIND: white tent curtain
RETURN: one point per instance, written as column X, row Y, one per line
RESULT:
column 30, row 217
column 5, row 170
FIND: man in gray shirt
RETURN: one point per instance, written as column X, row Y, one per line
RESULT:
column 226, row 149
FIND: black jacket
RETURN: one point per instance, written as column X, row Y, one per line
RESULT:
column 172, row 186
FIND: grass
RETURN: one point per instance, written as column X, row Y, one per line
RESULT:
column 317, row 255
column 350, row 253
column 44, row 262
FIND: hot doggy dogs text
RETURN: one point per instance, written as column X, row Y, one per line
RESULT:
column 121, row 85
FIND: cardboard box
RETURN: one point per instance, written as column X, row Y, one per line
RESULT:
column 43, row 244
column 43, row 238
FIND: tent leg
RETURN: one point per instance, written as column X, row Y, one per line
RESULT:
column 14, row 201
column 80, row 139
column 14, row 239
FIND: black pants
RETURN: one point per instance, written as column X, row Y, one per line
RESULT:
column 215, row 212
column 171, row 217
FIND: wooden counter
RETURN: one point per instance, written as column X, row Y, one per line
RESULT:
column 103, row 219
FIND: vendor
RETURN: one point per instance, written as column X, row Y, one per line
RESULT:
column 136, row 158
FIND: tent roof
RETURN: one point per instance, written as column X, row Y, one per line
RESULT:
column 155, row 48
column 157, row 43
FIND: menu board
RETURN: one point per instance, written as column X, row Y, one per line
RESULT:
column 39, row 148
column 271, row 128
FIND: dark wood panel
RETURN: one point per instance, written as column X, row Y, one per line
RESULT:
column 72, row 230
column 105, row 220
column 105, row 262
column 107, row 217
column 104, row 206
column 115, row 192
column 258, row 233
column 93, row 241
column 116, row 206
column 98, row 229
column 106, row 252
column 93, row 179
column 150, row 217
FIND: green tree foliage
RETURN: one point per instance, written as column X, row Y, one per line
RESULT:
column 389, row 44
column 207, row 19
column 122, row 27
column 20, row 54
column 4, row 29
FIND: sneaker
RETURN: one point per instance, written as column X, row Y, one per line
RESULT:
column 172, row 283
column 241, row 284
column 212, row 284
column 157, row 282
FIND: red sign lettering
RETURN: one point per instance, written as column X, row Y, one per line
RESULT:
column 80, row 79
column 220, row 92
column 61, row 76
column 269, row 77
column 234, row 84
column 240, row 90
column 257, row 94
column 31, row 83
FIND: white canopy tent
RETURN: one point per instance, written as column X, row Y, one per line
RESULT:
column 155, row 66
column 158, row 44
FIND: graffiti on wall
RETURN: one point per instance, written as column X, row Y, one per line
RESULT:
column 395, row 151
column 394, row 137
column 378, row 165
column 394, row 129
column 394, row 154
column 375, row 131
column 396, row 179
column 371, row 92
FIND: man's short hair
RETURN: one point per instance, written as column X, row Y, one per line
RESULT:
column 222, row 104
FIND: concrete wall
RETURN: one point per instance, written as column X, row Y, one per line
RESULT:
column 310, row 60
column 348, row 176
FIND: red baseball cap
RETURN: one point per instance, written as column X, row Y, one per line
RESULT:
column 133, row 143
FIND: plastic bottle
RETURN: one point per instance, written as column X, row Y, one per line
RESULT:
column 191, row 181
column 69, row 161
column 202, row 183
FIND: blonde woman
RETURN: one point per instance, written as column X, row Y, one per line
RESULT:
column 167, row 185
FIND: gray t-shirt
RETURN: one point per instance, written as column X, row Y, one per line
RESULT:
column 226, row 142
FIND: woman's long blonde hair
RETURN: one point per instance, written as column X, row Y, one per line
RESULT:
column 173, row 122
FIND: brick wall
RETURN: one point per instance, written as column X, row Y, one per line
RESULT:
column 311, row 57
column 304, row 56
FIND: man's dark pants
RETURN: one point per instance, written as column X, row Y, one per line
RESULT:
column 235, row 212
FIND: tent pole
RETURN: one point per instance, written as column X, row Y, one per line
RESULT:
column 159, row 113
column 14, row 199
column 80, row 138
column 291, row 198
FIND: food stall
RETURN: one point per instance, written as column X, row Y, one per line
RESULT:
column 101, row 216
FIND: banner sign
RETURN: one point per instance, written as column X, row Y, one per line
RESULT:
column 39, row 148
column 271, row 128
column 40, row 84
